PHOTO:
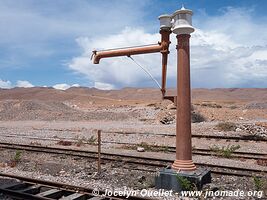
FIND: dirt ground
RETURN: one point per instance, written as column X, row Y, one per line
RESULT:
column 45, row 116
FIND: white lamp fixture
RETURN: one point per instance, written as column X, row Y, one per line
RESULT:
column 165, row 21
column 182, row 21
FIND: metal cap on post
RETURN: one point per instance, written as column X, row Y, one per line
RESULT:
column 182, row 21
column 165, row 22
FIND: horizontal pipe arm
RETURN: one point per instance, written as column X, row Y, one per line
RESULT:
column 126, row 52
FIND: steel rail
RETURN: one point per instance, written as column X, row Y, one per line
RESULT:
column 237, row 138
column 244, row 138
column 217, row 137
column 57, row 185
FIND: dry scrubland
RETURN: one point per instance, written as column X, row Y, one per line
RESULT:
column 78, row 104
column 45, row 116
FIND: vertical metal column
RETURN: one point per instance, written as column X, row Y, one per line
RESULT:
column 183, row 160
column 165, row 42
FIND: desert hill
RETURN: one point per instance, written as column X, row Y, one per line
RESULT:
column 143, row 94
column 81, row 103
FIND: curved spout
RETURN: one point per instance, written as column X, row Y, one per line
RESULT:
column 97, row 55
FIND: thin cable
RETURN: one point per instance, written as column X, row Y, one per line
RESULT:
column 146, row 72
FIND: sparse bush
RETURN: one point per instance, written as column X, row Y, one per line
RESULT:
column 226, row 126
column 16, row 159
column 185, row 183
column 233, row 107
column 258, row 182
column 17, row 156
column 225, row 152
column 152, row 104
column 146, row 146
column 167, row 119
column 164, row 148
column 197, row 117
column 79, row 142
column 91, row 140
column 211, row 105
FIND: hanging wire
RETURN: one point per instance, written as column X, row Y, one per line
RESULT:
column 145, row 71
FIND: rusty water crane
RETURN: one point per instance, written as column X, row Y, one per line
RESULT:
column 180, row 23
column 183, row 130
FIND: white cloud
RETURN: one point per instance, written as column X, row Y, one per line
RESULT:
column 24, row 84
column 104, row 86
column 228, row 50
column 39, row 23
column 118, row 71
column 64, row 86
column 5, row 84
column 75, row 85
column 27, row 84
column 225, row 53
column 20, row 83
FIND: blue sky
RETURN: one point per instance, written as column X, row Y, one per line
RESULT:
column 47, row 43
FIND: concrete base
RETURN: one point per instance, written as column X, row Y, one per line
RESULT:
column 170, row 179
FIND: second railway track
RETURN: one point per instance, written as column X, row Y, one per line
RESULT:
column 196, row 151
column 245, row 138
column 133, row 159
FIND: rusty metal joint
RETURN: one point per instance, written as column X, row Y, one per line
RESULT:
column 165, row 51
column 93, row 54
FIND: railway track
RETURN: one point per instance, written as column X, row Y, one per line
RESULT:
column 196, row 151
column 216, row 137
column 246, row 138
column 34, row 189
column 134, row 159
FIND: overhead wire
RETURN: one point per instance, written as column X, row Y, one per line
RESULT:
column 146, row 71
